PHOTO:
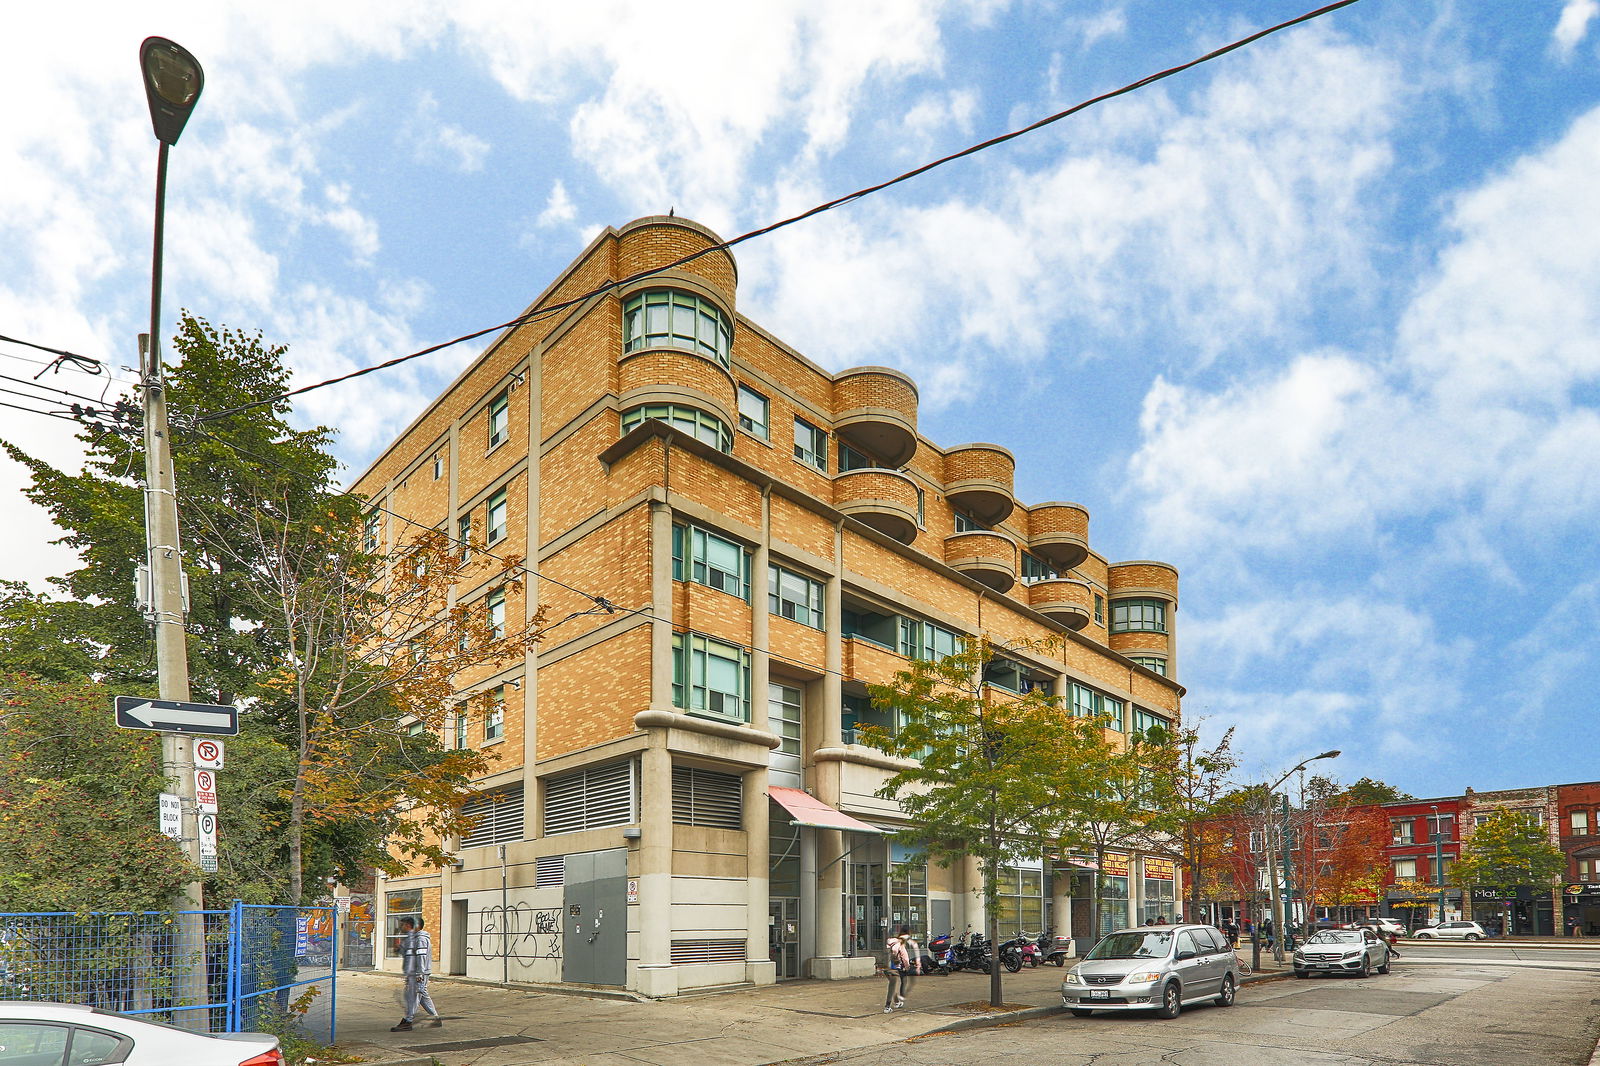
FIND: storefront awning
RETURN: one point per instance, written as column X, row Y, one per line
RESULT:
column 808, row 810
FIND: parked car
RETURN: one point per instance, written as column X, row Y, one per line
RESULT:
column 50, row 1033
column 1353, row 951
column 1451, row 931
column 1153, row 967
column 1383, row 926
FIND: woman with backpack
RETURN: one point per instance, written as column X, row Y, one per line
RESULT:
column 899, row 968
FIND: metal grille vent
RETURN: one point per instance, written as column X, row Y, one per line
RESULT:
column 550, row 871
column 707, row 798
column 589, row 799
column 687, row 952
column 499, row 817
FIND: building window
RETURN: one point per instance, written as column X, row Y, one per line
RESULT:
column 965, row 523
column 703, row 427
column 1589, row 869
column 1138, row 616
column 438, row 466
column 927, row 641
column 810, row 445
column 369, row 537
column 1085, row 702
column 1405, row 831
column 1099, row 609
column 1020, row 895
column 850, row 459
column 494, row 719
column 495, row 603
column 495, row 528
column 707, row 798
column 464, row 536
column 1442, row 824
column 1441, row 876
column 497, row 815
column 705, row 558
column 922, row 508
column 458, row 731
column 499, row 420
column 1160, row 891
column 794, row 596
column 1036, row 569
column 1405, row 869
column 783, row 717
column 1154, row 663
column 398, row 905
column 1144, row 720
column 1580, row 823
column 590, row 799
column 710, row 678
column 668, row 318
column 753, row 412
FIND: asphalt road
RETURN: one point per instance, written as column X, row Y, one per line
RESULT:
column 1460, row 1012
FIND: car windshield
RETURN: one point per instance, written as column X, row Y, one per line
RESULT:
column 1131, row 945
column 1335, row 936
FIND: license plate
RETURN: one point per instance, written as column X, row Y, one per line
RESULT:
column 1099, row 993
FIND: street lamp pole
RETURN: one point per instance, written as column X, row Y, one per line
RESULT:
column 172, row 82
column 1438, row 856
column 1272, row 873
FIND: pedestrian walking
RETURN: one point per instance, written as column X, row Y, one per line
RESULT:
column 416, row 963
column 899, row 969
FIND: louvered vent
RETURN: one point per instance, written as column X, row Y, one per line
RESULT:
column 705, row 797
column 498, row 816
column 686, row 952
column 589, row 799
column 550, row 871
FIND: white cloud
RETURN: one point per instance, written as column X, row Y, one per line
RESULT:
column 433, row 139
column 559, row 210
column 1573, row 25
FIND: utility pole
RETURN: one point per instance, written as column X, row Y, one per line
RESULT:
column 172, row 80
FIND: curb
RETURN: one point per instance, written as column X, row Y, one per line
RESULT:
column 989, row 1021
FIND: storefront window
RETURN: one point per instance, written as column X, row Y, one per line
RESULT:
column 1160, row 891
column 407, row 904
column 1114, row 900
column 1021, row 892
column 908, row 892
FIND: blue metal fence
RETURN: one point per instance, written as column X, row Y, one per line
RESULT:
column 248, row 967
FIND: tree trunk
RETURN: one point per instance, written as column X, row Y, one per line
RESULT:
column 297, row 809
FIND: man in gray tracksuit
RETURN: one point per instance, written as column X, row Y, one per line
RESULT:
column 416, row 962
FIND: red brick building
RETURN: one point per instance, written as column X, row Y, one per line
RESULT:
column 1579, row 833
column 1412, row 859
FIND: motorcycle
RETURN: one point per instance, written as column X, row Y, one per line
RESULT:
column 1032, row 955
column 935, row 956
column 977, row 954
column 1053, row 948
column 1011, row 953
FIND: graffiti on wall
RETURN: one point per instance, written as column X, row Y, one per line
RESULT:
column 517, row 932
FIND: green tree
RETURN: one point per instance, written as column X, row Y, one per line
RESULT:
column 1368, row 790
column 43, row 637
column 1198, row 790
column 1508, row 850
column 984, row 775
column 79, row 803
column 101, row 511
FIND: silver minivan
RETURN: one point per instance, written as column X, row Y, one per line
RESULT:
column 1153, row 967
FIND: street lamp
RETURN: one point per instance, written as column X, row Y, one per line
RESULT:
column 1438, row 856
column 1272, row 873
column 172, row 83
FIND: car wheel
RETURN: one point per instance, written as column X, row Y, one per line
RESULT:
column 1225, row 997
column 1081, row 1012
column 1366, row 967
column 1302, row 974
column 1385, row 967
column 1171, row 1001
column 1474, row 936
column 1424, row 936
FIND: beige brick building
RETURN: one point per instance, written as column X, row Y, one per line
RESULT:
column 772, row 537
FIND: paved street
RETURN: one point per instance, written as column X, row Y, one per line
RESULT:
column 1441, row 1013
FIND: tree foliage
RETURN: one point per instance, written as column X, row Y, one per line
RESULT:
column 1507, row 851
column 79, row 803
column 985, row 775
column 1199, row 786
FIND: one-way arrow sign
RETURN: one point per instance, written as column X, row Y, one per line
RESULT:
column 173, row 716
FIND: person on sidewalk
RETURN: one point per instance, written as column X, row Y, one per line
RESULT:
column 898, row 969
column 416, row 962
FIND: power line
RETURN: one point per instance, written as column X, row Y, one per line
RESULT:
column 550, row 309
column 47, row 388
column 32, row 411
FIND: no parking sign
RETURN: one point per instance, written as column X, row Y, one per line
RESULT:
column 208, row 754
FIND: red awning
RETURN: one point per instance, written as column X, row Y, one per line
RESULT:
column 808, row 810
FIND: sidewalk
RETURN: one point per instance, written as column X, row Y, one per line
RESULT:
column 493, row 1025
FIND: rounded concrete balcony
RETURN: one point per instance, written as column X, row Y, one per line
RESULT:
column 676, row 376
column 649, row 244
column 885, row 500
column 977, row 480
column 1063, row 600
column 1059, row 533
column 987, row 558
column 875, row 412
column 1143, row 577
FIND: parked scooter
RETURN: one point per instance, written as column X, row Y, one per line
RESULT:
column 1011, row 953
column 935, row 956
column 1053, row 948
column 1032, row 955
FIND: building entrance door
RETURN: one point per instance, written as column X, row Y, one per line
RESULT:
column 783, row 935
column 595, row 922
column 865, row 921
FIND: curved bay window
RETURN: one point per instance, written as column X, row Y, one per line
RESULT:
column 670, row 318
column 706, row 428
column 1138, row 616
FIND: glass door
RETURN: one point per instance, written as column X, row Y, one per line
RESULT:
column 783, row 935
column 865, row 923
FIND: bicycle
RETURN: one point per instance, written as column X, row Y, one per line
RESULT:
column 1244, row 965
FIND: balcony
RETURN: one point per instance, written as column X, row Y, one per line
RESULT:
column 1059, row 534
column 1063, row 600
column 875, row 412
column 885, row 500
column 977, row 480
column 675, row 376
column 987, row 558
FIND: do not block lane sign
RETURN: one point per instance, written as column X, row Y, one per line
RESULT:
column 176, row 716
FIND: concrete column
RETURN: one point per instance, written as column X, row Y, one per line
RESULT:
column 827, row 889
column 833, row 654
column 759, row 967
column 661, row 607
column 656, row 976
column 760, row 660
column 530, row 599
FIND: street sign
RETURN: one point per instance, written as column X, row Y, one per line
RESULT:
column 174, row 716
column 171, row 816
column 205, row 790
column 208, row 754
column 208, row 835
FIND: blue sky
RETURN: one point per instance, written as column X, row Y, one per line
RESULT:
column 1319, row 323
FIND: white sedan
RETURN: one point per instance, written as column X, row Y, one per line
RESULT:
column 48, row 1034
column 1452, row 931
